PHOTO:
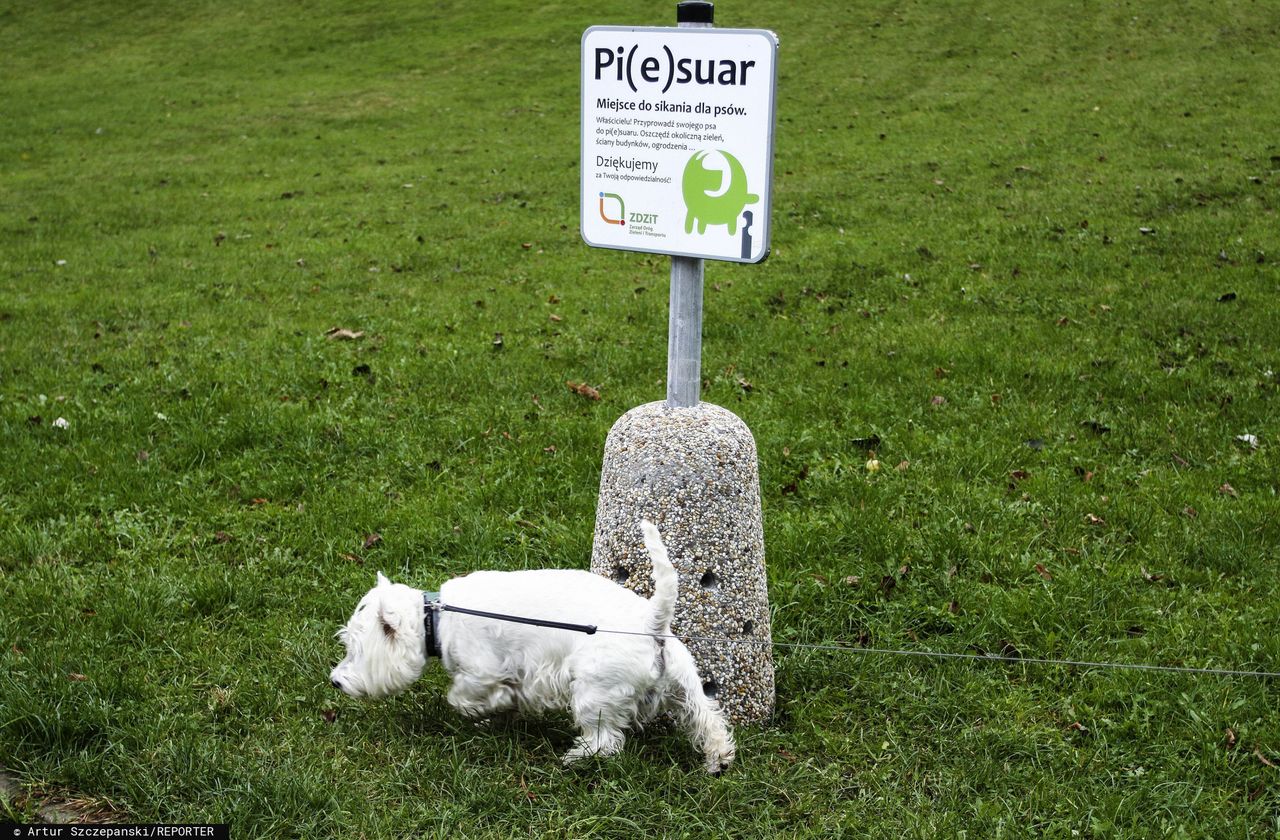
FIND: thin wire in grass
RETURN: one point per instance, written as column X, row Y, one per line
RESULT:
column 970, row 657
column 924, row 654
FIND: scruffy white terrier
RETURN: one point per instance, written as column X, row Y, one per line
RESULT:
column 609, row 681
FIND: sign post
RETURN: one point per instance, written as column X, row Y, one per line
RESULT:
column 684, row 323
column 684, row 333
column 677, row 151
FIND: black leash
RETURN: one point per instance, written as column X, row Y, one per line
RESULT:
column 589, row 629
column 432, row 608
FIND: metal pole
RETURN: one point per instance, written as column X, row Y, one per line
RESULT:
column 684, row 333
column 684, row 326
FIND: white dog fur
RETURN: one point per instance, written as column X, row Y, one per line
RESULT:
column 608, row 682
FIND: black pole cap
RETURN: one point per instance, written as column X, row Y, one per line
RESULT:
column 695, row 11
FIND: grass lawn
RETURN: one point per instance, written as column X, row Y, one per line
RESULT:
column 1031, row 247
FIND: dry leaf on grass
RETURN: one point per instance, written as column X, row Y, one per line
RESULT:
column 582, row 389
column 341, row 334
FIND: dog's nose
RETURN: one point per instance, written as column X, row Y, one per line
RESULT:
column 336, row 683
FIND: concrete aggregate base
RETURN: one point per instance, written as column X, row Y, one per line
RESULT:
column 693, row 472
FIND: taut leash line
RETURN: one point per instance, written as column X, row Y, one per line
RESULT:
column 971, row 657
column 591, row 629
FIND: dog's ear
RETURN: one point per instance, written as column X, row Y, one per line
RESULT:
column 382, row 580
column 389, row 619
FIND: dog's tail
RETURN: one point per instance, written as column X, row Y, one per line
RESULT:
column 665, row 583
column 697, row 713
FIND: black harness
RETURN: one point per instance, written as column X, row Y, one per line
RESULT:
column 431, row 609
column 431, row 622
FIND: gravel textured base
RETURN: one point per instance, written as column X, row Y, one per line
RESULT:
column 693, row 472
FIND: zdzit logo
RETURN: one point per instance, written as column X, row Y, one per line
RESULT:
column 620, row 217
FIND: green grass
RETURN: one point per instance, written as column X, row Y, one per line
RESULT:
column 958, row 203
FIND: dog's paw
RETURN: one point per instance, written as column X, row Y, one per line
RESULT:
column 604, row 744
column 718, row 761
column 495, row 722
column 575, row 755
column 715, row 768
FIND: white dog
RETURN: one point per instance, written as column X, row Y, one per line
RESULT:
column 608, row 681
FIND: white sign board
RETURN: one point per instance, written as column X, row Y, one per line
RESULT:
column 677, row 140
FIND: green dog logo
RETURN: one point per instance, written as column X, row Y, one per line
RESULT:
column 715, row 196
